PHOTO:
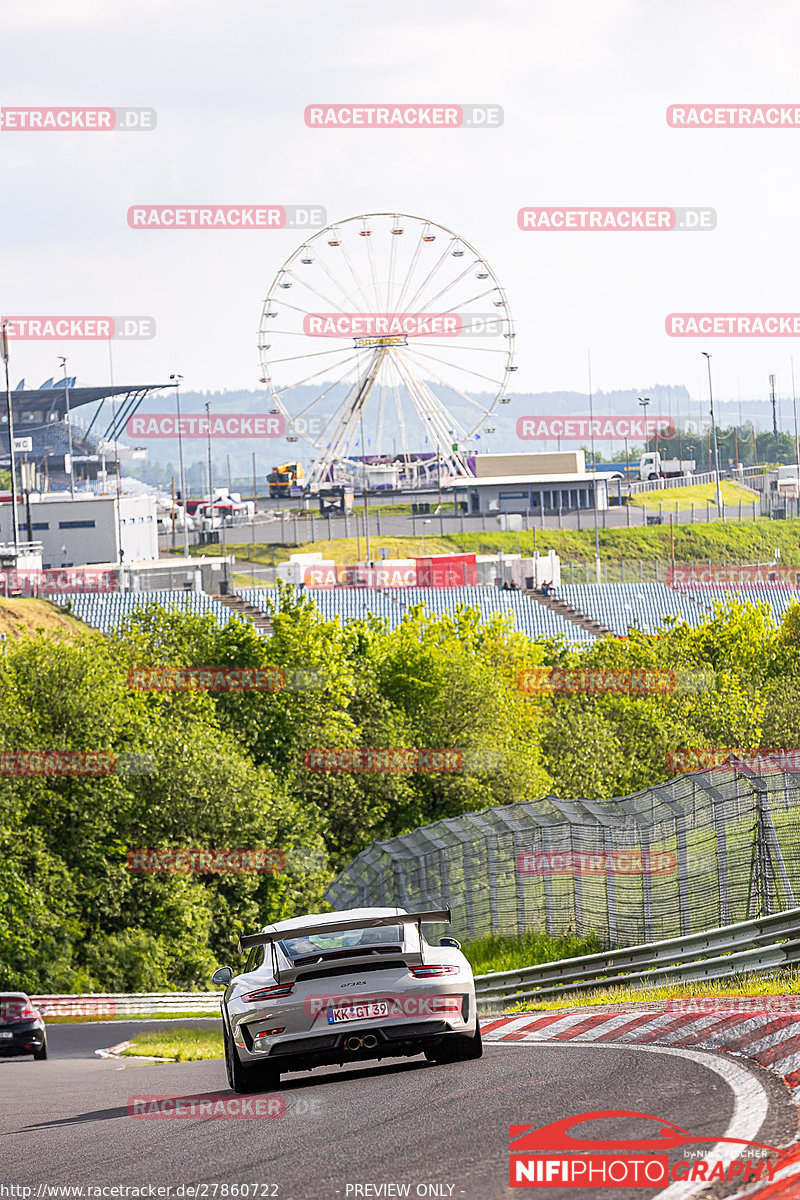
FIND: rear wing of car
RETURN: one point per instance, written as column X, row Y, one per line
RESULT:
column 271, row 934
column 268, row 937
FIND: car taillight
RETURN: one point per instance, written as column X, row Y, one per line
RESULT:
column 270, row 993
column 29, row 1014
column 433, row 970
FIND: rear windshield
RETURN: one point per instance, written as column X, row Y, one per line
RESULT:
column 350, row 939
column 11, row 1007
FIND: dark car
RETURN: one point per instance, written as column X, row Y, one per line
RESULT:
column 22, row 1029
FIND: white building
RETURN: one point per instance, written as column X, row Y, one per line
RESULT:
column 85, row 530
column 530, row 483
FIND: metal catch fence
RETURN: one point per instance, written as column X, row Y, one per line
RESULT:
column 698, row 852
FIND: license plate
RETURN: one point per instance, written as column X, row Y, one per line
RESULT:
column 6, row 1033
column 358, row 1012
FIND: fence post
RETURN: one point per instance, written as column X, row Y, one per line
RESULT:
column 692, row 521
column 622, row 567
column 313, row 535
column 644, row 515
column 571, row 573
column 586, row 565
column 708, row 511
column 628, row 514
column 754, row 511
column 740, row 512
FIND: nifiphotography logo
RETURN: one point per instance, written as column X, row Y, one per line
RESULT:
column 552, row 1156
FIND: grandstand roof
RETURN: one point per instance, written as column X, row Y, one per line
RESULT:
column 54, row 399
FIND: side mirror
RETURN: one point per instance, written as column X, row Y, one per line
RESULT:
column 222, row 976
column 450, row 941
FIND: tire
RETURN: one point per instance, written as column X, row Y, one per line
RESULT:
column 40, row 1055
column 246, row 1080
column 459, row 1048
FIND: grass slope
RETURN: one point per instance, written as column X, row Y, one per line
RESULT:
column 716, row 542
column 21, row 617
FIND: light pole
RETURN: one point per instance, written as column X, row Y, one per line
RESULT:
column 63, row 362
column 718, row 489
column 178, row 381
column 210, row 477
column 12, row 456
column 598, row 574
column 366, row 472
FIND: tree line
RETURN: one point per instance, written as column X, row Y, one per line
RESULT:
column 200, row 770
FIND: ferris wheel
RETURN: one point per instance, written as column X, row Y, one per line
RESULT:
column 386, row 336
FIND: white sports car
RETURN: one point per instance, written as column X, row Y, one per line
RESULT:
column 341, row 987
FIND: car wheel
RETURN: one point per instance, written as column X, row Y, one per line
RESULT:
column 460, row 1048
column 245, row 1080
column 41, row 1055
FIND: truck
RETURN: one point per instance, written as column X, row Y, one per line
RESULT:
column 653, row 466
column 286, row 479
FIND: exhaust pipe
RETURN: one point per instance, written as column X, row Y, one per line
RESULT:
column 368, row 1042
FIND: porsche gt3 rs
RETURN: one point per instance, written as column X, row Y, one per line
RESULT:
column 342, row 987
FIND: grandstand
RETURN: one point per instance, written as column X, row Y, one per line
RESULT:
column 624, row 606
column 777, row 596
column 528, row 615
column 620, row 607
column 107, row 610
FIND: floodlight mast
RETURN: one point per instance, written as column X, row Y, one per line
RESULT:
column 12, row 455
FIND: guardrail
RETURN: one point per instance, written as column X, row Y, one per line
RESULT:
column 110, row 1004
column 748, row 947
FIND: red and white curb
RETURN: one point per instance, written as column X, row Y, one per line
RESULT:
column 764, row 1038
column 116, row 1052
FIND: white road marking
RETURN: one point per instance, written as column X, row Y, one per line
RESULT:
column 750, row 1103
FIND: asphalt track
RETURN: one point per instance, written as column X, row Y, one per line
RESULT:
column 65, row 1122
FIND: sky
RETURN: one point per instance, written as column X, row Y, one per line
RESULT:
column 584, row 87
